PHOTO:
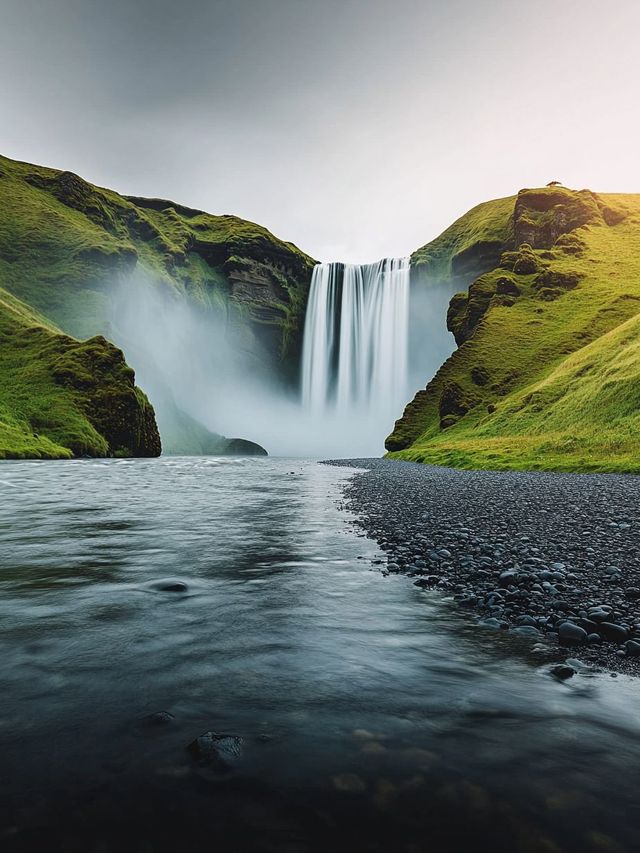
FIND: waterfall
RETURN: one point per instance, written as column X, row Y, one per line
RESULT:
column 355, row 350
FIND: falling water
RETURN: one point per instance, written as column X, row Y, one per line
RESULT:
column 354, row 362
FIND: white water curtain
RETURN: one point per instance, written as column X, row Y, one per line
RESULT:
column 355, row 352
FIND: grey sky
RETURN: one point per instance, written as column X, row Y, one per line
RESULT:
column 357, row 129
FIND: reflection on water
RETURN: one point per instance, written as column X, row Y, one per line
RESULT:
column 231, row 595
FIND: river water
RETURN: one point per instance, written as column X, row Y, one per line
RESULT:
column 236, row 597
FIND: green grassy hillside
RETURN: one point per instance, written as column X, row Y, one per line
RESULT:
column 60, row 397
column 63, row 242
column 547, row 370
column 66, row 247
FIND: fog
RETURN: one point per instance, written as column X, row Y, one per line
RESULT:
column 200, row 362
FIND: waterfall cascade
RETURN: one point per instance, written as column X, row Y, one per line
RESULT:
column 355, row 351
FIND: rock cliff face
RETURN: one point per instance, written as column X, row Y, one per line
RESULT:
column 63, row 240
column 60, row 397
column 567, row 274
column 64, row 243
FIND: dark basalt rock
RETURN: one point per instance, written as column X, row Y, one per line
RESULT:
column 482, row 255
column 171, row 586
column 243, row 447
column 106, row 388
column 218, row 752
column 157, row 720
column 562, row 671
column 612, row 632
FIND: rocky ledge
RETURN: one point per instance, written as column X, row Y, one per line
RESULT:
column 551, row 558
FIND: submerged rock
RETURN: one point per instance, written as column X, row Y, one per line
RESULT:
column 170, row 586
column 217, row 751
column 562, row 671
column 158, row 719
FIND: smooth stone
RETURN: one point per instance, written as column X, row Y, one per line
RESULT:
column 562, row 671
column 599, row 614
column 589, row 625
column 526, row 631
column 615, row 633
column 570, row 633
column 170, row 586
column 490, row 623
column 632, row 648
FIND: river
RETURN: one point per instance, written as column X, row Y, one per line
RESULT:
column 145, row 603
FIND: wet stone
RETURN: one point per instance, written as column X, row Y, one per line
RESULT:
column 157, row 720
column 613, row 633
column 218, row 751
column 570, row 633
column 562, row 671
column 632, row 648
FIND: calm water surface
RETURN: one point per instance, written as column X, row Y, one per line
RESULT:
column 373, row 717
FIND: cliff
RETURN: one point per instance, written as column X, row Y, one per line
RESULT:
column 61, row 398
column 67, row 246
column 63, row 241
column 547, row 370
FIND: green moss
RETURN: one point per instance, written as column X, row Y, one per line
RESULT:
column 558, row 362
column 472, row 244
column 61, row 398
column 63, row 242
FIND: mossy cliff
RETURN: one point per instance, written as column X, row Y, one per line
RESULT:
column 60, row 397
column 66, row 247
column 547, row 370
column 63, row 242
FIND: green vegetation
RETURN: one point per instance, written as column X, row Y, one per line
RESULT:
column 473, row 242
column 63, row 242
column 547, row 373
column 61, row 398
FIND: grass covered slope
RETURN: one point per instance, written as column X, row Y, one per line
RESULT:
column 473, row 242
column 63, row 241
column 60, row 397
column 547, row 370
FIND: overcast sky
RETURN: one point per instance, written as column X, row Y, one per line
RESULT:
column 355, row 128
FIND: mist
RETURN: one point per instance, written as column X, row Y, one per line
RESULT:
column 203, row 363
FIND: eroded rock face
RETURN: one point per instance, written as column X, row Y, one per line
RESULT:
column 105, row 388
column 542, row 216
column 455, row 402
column 483, row 255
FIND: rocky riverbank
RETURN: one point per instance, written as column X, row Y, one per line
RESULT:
column 551, row 558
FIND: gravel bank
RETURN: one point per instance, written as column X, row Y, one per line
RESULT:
column 554, row 558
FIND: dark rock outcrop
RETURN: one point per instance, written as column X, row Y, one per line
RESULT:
column 105, row 389
column 243, row 447
column 455, row 402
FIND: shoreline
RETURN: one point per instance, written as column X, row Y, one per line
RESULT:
column 550, row 558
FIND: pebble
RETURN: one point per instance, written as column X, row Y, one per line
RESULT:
column 562, row 671
column 485, row 538
column 632, row 648
column 615, row 633
column 570, row 633
column 171, row 586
